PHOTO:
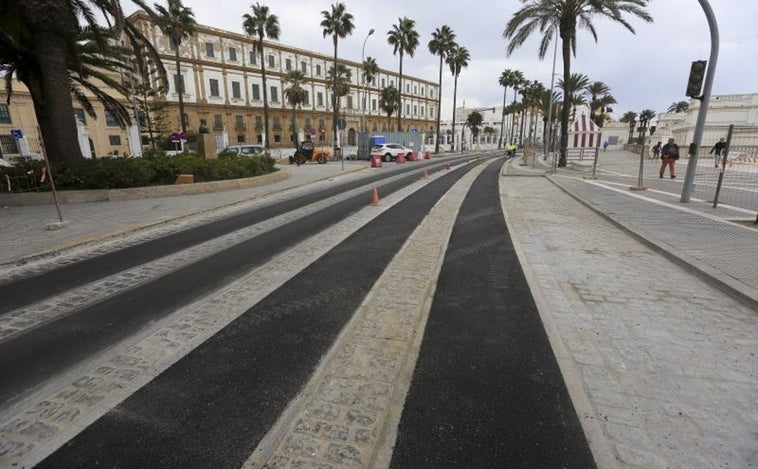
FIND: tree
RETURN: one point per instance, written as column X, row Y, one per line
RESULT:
column 646, row 116
column 404, row 38
column 389, row 101
column 259, row 25
column 295, row 96
column 337, row 23
column 517, row 82
column 370, row 70
column 574, row 89
column 40, row 44
column 457, row 60
column 341, row 80
column 600, row 99
column 178, row 23
column 443, row 40
column 473, row 122
column 565, row 16
column 508, row 79
column 679, row 107
column 628, row 117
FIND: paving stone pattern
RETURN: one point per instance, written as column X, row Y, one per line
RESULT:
column 667, row 361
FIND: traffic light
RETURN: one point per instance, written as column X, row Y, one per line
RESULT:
column 695, row 81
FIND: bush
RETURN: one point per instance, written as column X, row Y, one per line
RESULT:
column 153, row 169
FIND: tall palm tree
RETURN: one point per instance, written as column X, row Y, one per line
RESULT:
column 628, row 117
column 574, row 89
column 600, row 98
column 457, row 60
column 341, row 80
column 566, row 16
column 178, row 23
column 518, row 81
column 370, row 70
column 389, row 101
column 677, row 107
column 337, row 23
column 646, row 116
column 443, row 40
column 506, row 80
column 473, row 122
column 404, row 38
column 39, row 42
column 295, row 96
column 259, row 25
column 545, row 101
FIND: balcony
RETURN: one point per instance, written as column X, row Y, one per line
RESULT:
column 241, row 127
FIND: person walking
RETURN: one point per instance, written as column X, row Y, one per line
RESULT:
column 657, row 150
column 718, row 148
column 669, row 155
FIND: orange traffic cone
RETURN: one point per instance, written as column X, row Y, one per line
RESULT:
column 426, row 174
column 375, row 199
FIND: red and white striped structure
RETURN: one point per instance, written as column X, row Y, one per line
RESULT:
column 583, row 133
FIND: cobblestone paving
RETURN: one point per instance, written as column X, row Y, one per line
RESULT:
column 46, row 419
column 348, row 413
column 666, row 362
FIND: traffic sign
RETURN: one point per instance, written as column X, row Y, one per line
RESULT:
column 17, row 133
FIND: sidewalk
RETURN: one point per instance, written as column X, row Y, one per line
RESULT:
column 692, row 233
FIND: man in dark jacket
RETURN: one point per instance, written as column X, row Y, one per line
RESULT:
column 718, row 148
column 669, row 155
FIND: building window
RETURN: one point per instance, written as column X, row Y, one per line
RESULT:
column 422, row 91
column 431, row 93
column 319, row 99
column 277, row 123
column 239, row 123
column 5, row 114
column 373, row 105
column 110, row 120
column 407, row 88
column 236, row 91
column 209, row 49
column 232, row 54
column 303, row 67
column 258, row 122
column 274, row 94
column 8, row 144
column 288, row 64
column 80, row 115
column 114, row 140
column 407, row 108
column 253, row 58
column 307, row 123
column 218, row 124
column 240, row 139
column 422, row 111
column 257, row 92
column 318, row 70
column 277, row 138
column 415, row 89
column 383, row 82
column 271, row 62
column 415, row 110
column 214, row 87
column 349, row 102
column 307, row 98
column 178, row 83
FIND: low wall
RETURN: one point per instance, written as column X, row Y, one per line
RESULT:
column 133, row 193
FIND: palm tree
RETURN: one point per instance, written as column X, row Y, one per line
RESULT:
column 628, row 117
column 517, row 82
column 574, row 89
column 457, row 60
column 443, row 40
column 473, row 122
column 389, row 101
column 678, row 107
column 341, row 80
column 600, row 98
column 370, row 70
column 337, row 23
column 646, row 116
column 295, row 96
column 545, row 101
column 566, row 16
column 38, row 45
column 259, row 25
column 404, row 37
column 508, row 79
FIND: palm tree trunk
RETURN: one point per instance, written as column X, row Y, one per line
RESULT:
column 334, row 99
column 513, row 118
column 294, row 130
column 400, row 93
column 566, row 52
column 455, row 96
column 439, row 114
column 267, row 140
column 180, row 90
column 502, row 121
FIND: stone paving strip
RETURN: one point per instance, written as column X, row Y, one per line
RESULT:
column 347, row 415
column 34, row 315
column 48, row 418
column 664, row 363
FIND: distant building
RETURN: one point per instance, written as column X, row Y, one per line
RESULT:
column 492, row 117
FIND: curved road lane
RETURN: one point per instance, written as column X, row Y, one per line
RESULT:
column 487, row 390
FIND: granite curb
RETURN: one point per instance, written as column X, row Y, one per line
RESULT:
column 723, row 280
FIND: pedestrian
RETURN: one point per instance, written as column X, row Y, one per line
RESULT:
column 656, row 150
column 669, row 155
column 605, row 145
column 718, row 148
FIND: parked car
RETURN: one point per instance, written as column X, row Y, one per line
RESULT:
column 307, row 151
column 389, row 151
column 245, row 150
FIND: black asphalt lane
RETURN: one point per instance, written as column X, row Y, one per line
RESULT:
column 212, row 408
column 34, row 356
column 32, row 289
column 487, row 391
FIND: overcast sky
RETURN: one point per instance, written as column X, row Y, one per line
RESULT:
column 646, row 70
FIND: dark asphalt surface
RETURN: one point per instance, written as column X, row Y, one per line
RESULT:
column 211, row 409
column 487, row 391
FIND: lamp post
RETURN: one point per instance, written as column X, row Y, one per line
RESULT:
column 641, row 129
column 363, row 81
column 550, row 96
column 632, row 123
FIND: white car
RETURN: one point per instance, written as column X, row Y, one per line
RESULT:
column 389, row 151
column 245, row 150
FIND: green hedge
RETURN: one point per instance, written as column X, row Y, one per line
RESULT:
column 152, row 170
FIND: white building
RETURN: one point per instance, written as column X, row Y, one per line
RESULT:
column 514, row 128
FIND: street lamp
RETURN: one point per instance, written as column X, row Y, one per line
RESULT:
column 641, row 129
column 363, row 81
column 632, row 123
